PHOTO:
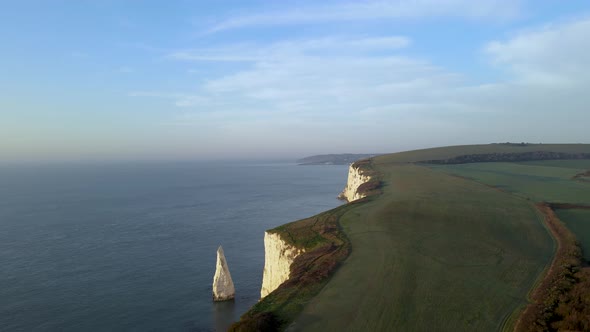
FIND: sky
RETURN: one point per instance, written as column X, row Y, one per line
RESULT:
column 198, row 80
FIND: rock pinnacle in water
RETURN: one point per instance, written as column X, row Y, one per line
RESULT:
column 223, row 286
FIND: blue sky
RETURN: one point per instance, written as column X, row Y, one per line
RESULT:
column 99, row 80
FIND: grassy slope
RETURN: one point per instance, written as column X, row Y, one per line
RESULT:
column 575, row 164
column 549, row 181
column 535, row 181
column 434, row 251
column 558, row 302
column 578, row 221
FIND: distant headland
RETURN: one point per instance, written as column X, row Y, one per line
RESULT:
column 335, row 159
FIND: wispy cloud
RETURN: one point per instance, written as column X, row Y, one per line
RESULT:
column 154, row 94
column 251, row 52
column 179, row 99
column 555, row 53
column 367, row 85
column 292, row 80
column 375, row 10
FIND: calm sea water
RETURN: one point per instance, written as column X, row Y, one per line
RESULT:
column 132, row 246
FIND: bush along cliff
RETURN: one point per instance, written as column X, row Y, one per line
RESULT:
column 300, row 257
column 561, row 302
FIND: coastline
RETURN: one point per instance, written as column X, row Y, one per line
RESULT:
column 188, row 209
column 323, row 247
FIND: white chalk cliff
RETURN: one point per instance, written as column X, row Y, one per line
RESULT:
column 355, row 179
column 278, row 257
column 223, row 286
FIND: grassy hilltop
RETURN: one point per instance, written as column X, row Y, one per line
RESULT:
column 447, row 245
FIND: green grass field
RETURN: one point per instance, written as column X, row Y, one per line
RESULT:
column 583, row 164
column 434, row 252
column 578, row 221
column 539, row 181
column 549, row 181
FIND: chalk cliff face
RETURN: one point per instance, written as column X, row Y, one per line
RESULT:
column 355, row 179
column 278, row 256
column 223, row 286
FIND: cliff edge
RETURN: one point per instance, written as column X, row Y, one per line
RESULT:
column 301, row 256
column 361, row 182
column 356, row 178
column 278, row 257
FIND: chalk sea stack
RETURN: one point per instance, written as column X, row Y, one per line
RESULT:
column 223, row 286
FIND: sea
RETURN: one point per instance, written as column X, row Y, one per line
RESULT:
column 131, row 246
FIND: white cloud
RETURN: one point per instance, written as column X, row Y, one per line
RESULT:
column 553, row 54
column 374, row 10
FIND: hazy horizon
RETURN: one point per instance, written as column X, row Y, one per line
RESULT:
column 112, row 80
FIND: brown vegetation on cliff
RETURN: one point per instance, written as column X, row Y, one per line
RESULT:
column 373, row 186
column 561, row 302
